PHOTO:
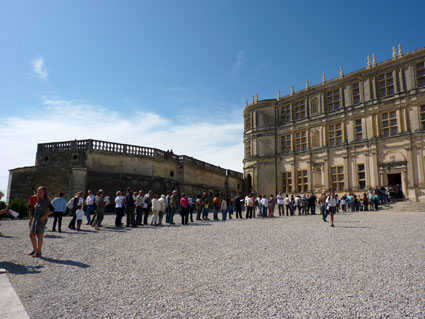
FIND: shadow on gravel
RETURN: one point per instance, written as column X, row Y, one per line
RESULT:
column 65, row 262
column 5, row 236
column 354, row 227
column 115, row 229
column 20, row 269
column 52, row 236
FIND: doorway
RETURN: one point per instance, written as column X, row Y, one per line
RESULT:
column 394, row 179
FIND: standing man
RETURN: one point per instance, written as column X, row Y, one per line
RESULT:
column 279, row 201
column 205, row 205
column 100, row 209
column 59, row 205
column 147, row 206
column 216, row 202
column 331, row 205
column 249, row 206
column 238, row 206
column 174, row 203
column 288, row 205
column 140, row 201
column 184, row 204
column 90, row 205
column 312, row 200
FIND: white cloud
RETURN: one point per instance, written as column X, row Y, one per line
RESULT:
column 216, row 142
column 39, row 68
column 240, row 59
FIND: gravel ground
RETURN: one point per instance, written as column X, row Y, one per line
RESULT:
column 371, row 265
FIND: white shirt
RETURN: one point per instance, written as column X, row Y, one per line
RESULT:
column 264, row 202
column 162, row 203
column 279, row 200
column 156, row 205
column 80, row 200
column 249, row 202
column 80, row 214
column 331, row 201
column 287, row 201
column 90, row 200
column 119, row 201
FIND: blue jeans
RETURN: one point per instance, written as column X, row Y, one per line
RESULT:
column 230, row 209
column 223, row 214
column 215, row 212
column 264, row 211
column 89, row 209
column 324, row 212
column 167, row 214
column 171, row 216
column 205, row 213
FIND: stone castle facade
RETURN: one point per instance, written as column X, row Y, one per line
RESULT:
column 361, row 130
column 81, row 165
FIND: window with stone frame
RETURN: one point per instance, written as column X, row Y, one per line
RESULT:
column 248, row 121
column 420, row 74
column 333, row 100
column 337, row 178
column 358, row 130
column 286, row 182
column 248, row 149
column 423, row 117
column 286, row 114
column 335, row 134
column 299, row 110
column 385, row 84
column 356, row 93
column 301, row 141
column 314, row 105
column 361, row 176
column 302, row 181
column 389, row 124
column 286, row 143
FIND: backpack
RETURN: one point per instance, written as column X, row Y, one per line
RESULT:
column 70, row 203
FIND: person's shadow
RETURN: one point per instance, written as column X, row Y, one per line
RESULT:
column 18, row 269
column 65, row 262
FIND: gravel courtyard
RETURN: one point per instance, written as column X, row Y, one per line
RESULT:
column 371, row 265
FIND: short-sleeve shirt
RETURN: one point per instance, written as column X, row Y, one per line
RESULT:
column 100, row 205
column 42, row 207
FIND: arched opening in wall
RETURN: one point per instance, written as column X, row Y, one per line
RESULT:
column 172, row 173
column 249, row 183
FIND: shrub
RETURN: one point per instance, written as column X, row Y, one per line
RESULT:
column 23, row 210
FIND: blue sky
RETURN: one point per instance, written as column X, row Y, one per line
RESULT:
column 175, row 74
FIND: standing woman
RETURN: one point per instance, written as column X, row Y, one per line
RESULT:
column 38, row 220
column 271, row 206
column 119, row 208
column 100, row 209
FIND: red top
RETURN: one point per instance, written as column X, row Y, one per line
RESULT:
column 33, row 201
column 183, row 202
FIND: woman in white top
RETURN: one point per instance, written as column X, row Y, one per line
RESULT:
column 119, row 209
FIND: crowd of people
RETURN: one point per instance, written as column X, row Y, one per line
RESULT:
column 138, row 206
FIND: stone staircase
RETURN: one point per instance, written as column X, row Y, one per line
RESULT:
column 406, row 206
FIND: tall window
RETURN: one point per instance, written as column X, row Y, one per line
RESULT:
column 335, row 134
column 358, row 130
column 248, row 122
column 389, row 123
column 333, row 100
column 248, row 149
column 423, row 117
column 287, row 182
column 286, row 144
column 301, row 141
column 361, row 176
column 356, row 93
column 302, row 181
column 386, row 84
column 286, row 114
column 337, row 178
column 314, row 105
column 299, row 110
column 420, row 74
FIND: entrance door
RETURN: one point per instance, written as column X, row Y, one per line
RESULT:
column 394, row 179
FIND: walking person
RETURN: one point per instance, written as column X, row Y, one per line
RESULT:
column 331, row 205
column 38, row 220
column 79, row 215
column 162, row 209
column 322, row 205
column 76, row 200
column 59, row 208
column 100, row 209
column 130, row 208
column 90, row 205
column 119, row 208
column 184, row 204
column 223, row 209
